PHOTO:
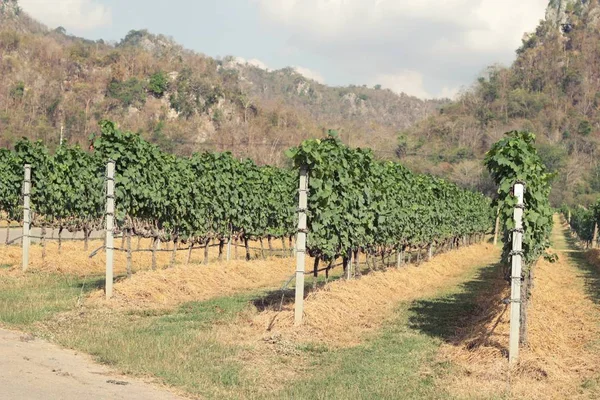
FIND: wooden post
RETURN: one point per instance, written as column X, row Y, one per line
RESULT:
column 174, row 252
column 155, row 244
column 497, row 226
column 110, row 215
column 26, row 216
column 301, row 246
column 229, row 244
column 595, row 238
column 128, row 233
column 349, row 274
column 516, row 258
column 189, row 254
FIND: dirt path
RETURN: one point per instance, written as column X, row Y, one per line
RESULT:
column 33, row 369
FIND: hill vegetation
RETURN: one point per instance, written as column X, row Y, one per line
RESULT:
column 185, row 101
column 553, row 89
column 181, row 100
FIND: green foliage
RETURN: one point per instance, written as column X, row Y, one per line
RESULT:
column 18, row 91
column 130, row 93
column 193, row 94
column 133, row 38
column 553, row 157
column 583, row 220
column 66, row 188
column 159, row 84
column 584, row 128
column 515, row 159
column 357, row 202
column 208, row 195
column 11, row 179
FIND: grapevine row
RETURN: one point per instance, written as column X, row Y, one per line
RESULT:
column 584, row 222
column 355, row 202
column 358, row 203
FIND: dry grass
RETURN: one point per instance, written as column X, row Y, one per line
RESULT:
column 593, row 258
column 170, row 287
column 340, row 315
column 562, row 359
column 74, row 260
column 343, row 311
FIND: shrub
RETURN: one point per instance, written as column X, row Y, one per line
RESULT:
column 130, row 92
column 159, row 84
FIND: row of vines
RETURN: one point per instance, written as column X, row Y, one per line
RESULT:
column 356, row 203
column 514, row 159
column 198, row 199
column 584, row 222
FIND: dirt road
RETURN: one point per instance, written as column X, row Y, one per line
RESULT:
column 32, row 369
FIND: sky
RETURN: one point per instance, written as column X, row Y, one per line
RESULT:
column 425, row 48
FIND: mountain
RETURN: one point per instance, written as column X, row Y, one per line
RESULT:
column 552, row 89
column 182, row 100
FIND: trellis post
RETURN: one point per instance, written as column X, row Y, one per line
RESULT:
column 595, row 237
column 110, row 214
column 497, row 226
column 301, row 245
column 26, row 216
column 517, row 267
column 229, row 244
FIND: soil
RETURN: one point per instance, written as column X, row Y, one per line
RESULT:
column 33, row 369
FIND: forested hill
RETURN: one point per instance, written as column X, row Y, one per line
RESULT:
column 552, row 89
column 182, row 100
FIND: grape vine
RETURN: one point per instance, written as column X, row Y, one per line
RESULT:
column 356, row 202
column 515, row 159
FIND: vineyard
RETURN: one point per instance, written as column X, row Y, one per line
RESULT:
column 355, row 203
column 376, row 219
column 584, row 223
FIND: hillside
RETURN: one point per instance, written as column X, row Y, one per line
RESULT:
column 552, row 89
column 182, row 100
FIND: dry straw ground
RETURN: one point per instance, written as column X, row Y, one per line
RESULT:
column 562, row 358
column 74, row 260
column 341, row 313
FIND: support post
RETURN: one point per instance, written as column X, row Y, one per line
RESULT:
column 497, row 226
column 516, row 259
column 26, row 216
column 595, row 238
column 229, row 244
column 301, row 246
column 110, row 215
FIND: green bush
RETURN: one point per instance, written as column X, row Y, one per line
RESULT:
column 18, row 91
column 584, row 128
column 159, row 84
column 129, row 92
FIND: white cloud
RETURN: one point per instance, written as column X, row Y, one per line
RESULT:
column 254, row 62
column 413, row 84
column 477, row 20
column 409, row 82
column 80, row 15
column 310, row 74
column 449, row 93
column 445, row 43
